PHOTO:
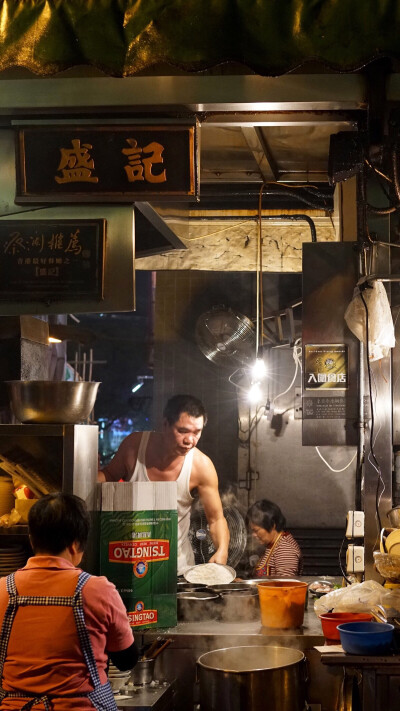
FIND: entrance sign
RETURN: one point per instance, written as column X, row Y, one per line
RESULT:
column 105, row 163
column 51, row 260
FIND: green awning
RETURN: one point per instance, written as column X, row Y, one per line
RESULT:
column 123, row 37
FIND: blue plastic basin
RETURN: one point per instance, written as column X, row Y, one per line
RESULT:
column 366, row 637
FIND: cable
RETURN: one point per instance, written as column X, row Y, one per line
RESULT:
column 371, row 433
column 337, row 471
column 296, row 358
column 260, row 320
column 348, row 581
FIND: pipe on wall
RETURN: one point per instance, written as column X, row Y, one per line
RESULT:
column 291, row 218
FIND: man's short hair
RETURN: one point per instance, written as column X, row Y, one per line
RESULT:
column 56, row 521
column 178, row 404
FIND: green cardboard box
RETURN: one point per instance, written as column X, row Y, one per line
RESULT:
column 138, row 549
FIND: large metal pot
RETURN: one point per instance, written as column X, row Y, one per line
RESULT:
column 252, row 679
column 50, row 401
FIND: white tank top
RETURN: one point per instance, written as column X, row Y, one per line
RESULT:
column 184, row 502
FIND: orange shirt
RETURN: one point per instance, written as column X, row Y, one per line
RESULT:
column 43, row 653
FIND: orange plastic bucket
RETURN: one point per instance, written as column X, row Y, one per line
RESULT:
column 282, row 603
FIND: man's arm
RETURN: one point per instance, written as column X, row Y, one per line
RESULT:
column 207, row 484
column 123, row 462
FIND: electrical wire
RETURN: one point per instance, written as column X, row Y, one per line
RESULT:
column 297, row 360
column 212, row 234
column 371, row 432
column 348, row 581
column 337, row 471
column 260, row 319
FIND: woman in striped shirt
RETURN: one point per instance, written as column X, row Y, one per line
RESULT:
column 282, row 555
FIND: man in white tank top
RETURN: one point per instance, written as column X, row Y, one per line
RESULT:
column 172, row 455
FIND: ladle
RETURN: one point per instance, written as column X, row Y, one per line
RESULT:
column 378, row 613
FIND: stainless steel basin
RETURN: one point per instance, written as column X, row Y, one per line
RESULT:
column 52, row 402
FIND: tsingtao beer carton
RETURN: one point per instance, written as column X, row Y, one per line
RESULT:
column 138, row 549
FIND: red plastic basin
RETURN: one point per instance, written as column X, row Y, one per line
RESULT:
column 330, row 621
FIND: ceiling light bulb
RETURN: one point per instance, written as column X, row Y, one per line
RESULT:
column 136, row 387
column 259, row 369
column 255, row 394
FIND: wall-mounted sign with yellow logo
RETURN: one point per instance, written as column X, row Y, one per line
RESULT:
column 325, row 366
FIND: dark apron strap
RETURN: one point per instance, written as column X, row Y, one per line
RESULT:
column 83, row 634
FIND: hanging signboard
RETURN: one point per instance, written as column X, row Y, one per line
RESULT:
column 325, row 367
column 50, row 260
column 105, row 163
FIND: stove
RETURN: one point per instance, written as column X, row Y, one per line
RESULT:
column 157, row 696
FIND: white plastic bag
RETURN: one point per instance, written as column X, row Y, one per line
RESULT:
column 359, row 597
column 380, row 323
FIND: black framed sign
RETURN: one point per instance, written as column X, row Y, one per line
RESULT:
column 50, row 260
column 105, row 163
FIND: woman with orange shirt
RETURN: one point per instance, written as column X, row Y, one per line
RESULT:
column 59, row 624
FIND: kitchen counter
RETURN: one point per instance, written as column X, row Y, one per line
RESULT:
column 192, row 639
column 246, row 631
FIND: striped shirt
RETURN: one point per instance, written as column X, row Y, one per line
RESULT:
column 285, row 559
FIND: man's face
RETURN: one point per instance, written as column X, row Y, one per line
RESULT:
column 184, row 434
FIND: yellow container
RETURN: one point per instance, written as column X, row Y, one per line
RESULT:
column 282, row 603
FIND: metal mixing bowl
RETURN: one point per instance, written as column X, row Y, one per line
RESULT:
column 52, row 402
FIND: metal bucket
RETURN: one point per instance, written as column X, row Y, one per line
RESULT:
column 143, row 672
column 252, row 679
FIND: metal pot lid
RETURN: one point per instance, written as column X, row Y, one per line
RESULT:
column 197, row 595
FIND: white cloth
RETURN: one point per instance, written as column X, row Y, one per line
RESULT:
column 185, row 500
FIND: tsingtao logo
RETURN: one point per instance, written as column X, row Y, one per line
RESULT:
column 140, row 569
column 141, row 616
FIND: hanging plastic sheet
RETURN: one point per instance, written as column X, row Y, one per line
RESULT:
column 380, row 322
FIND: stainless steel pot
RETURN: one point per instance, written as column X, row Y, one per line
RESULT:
column 197, row 605
column 252, row 679
column 239, row 604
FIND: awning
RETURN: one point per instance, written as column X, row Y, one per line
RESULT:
column 123, row 37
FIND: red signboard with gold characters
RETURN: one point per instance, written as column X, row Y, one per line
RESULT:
column 105, row 163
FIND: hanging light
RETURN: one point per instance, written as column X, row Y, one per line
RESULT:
column 259, row 369
column 255, row 394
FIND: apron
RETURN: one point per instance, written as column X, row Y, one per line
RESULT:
column 102, row 696
column 263, row 566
